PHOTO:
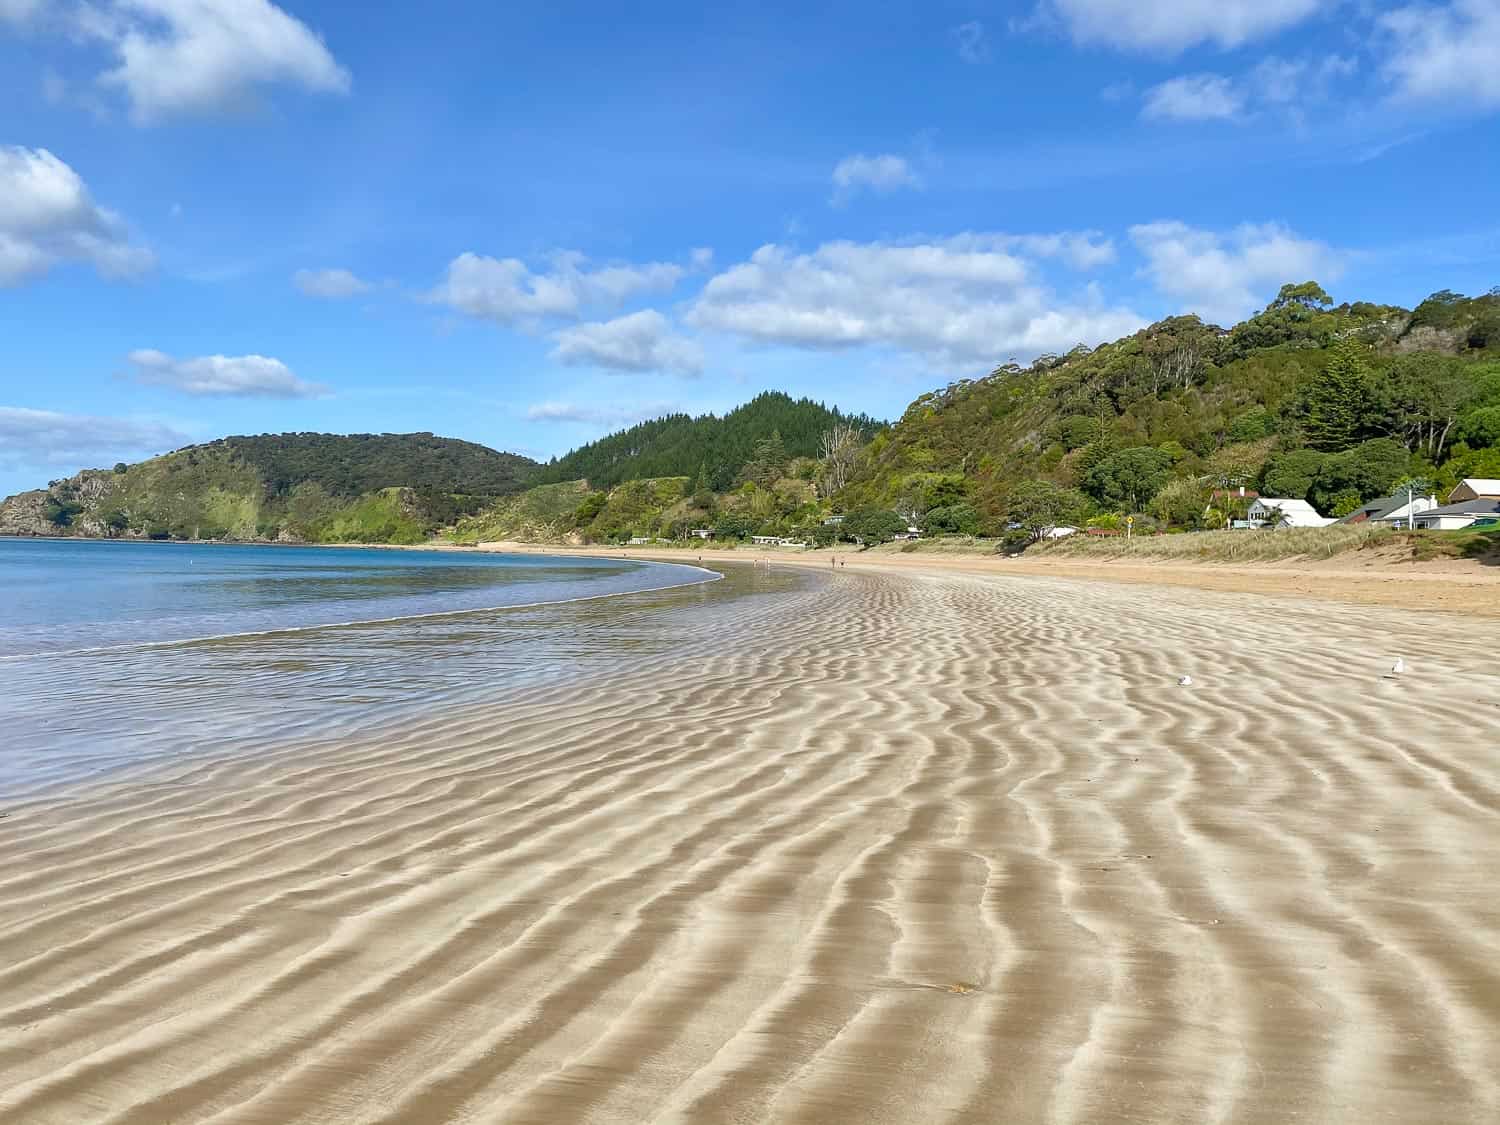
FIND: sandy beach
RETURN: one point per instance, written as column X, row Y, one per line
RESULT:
column 910, row 843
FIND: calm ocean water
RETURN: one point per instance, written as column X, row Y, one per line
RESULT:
column 69, row 595
column 116, row 653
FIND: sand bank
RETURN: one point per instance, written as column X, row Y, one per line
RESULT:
column 1361, row 578
column 936, row 847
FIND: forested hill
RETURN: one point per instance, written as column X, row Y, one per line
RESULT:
column 348, row 465
column 1305, row 400
column 368, row 488
column 710, row 449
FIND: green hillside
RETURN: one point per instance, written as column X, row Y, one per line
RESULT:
column 319, row 488
column 708, row 449
column 1305, row 400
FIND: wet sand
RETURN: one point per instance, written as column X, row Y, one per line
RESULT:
column 901, row 847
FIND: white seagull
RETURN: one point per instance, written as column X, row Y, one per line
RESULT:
column 1185, row 681
column 1398, row 667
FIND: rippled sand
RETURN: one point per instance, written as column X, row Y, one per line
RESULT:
column 889, row 848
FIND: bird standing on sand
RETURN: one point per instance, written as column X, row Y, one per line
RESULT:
column 1185, row 681
column 1399, row 667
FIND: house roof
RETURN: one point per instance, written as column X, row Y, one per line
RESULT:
column 1289, row 506
column 1482, row 485
column 1380, row 509
column 1465, row 508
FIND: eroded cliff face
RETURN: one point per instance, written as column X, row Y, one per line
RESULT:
column 65, row 507
column 26, row 514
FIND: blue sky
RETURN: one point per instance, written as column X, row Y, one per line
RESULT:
column 528, row 224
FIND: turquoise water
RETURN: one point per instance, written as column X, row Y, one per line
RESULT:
column 69, row 595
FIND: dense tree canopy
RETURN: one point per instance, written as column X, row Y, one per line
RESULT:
column 713, row 448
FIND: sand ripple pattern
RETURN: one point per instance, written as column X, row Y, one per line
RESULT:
column 880, row 849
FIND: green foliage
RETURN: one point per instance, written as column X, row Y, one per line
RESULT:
column 1290, row 475
column 61, row 512
column 1036, row 507
column 1419, row 399
column 1367, row 471
column 1333, row 410
column 1183, row 502
column 872, row 525
column 350, row 465
column 734, row 526
column 546, row 513
column 767, row 463
column 954, row 519
column 382, row 517
column 712, row 450
column 1129, row 478
column 1480, row 429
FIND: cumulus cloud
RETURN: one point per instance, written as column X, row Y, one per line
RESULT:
column 332, row 284
column 507, row 291
column 186, row 57
column 1174, row 25
column 596, row 415
column 1083, row 250
column 641, row 342
column 245, row 376
column 1446, row 53
column 1223, row 277
column 965, row 300
column 45, row 437
column 883, row 173
column 972, row 42
column 1194, row 97
column 47, row 217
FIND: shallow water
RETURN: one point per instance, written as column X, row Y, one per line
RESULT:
column 113, row 655
column 65, row 595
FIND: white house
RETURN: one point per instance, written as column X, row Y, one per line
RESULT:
column 702, row 533
column 1456, row 517
column 1475, row 488
column 1294, row 513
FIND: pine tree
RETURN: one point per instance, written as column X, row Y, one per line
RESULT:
column 1335, row 405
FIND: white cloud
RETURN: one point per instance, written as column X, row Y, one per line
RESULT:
column 884, row 173
column 48, row 217
column 972, row 42
column 505, row 290
column 245, row 376
column 1083, row 250
column 1445, row 54
column 1174, row 25
column 1194, row 97
column 1225, row 276
column 333, row 284
column 596, row 415
column 45, row 437
column 966, row 300
column 642, row 341
column 1286, row 87
column 185, row 57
